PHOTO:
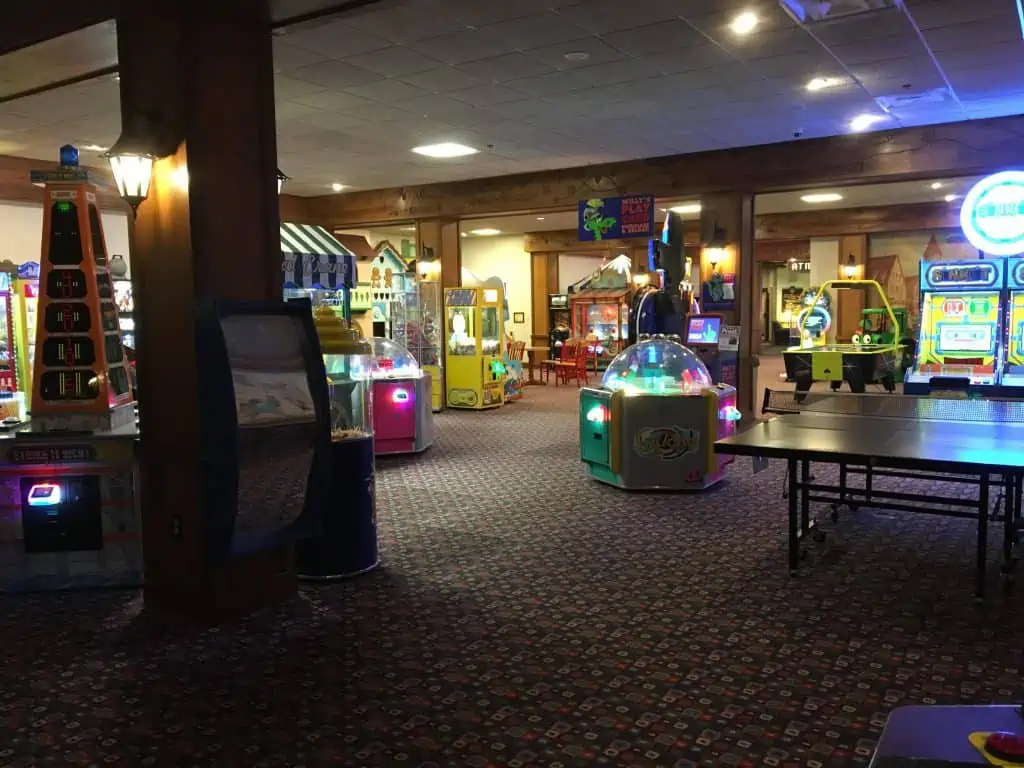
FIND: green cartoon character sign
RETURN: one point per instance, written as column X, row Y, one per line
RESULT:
column 594, row 219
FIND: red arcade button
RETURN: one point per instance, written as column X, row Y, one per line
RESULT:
column 1008, row 747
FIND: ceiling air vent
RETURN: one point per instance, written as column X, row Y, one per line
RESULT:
column 823, row 11
column 903, row 101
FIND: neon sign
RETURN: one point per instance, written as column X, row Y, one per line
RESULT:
column 975, row 273
column 992, row 216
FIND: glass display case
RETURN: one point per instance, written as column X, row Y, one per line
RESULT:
column 348, row 361
column 390, row 360
column 490, row 331
column 416, row 319
column 461, row 332
column 602, row 318
column 657, row 367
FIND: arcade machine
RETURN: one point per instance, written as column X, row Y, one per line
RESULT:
column 814, row 320
column 858, row 364
column 8, row 367
column 599, row 308
column 403, row 417
column 660, row 306
column 68, row 492
column 653, row 423
column 961, row 329
column 475, row 374
column 1012, row 382
column 416, row 321
column 25, row 292
column 558, row 323
column 716, row 344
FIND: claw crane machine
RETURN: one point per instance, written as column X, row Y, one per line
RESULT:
column 474, row 336
column 416, row 324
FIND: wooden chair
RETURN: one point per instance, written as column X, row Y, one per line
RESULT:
column 573, row 364
column 566, row 352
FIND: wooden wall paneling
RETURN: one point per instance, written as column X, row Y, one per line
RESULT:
column 540, row 263
column 15, row 186
column 841, row 221
column 293, row 210
column 781, row 251
column 441, row 238
column 952, row 149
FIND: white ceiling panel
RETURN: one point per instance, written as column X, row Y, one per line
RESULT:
column 355, row 93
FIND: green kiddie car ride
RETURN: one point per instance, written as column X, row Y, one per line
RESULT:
column 876, row 329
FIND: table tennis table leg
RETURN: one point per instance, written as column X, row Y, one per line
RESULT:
column 805, row 499
column 794, row 522
column 982, row 553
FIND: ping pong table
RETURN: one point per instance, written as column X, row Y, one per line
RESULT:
column 972, row 443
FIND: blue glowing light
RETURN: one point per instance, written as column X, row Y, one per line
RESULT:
column 68, row 156
column 992, row 215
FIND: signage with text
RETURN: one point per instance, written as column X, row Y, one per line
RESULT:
column 992, row 216
column 615, row 218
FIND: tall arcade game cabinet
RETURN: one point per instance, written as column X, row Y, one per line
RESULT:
column 961, row 327
column 68, row 502
column 474, row 337
column 1013, row 371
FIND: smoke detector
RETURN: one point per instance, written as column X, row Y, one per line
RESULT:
column 823, row 11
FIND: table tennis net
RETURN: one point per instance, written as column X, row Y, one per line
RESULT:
column 894, row 406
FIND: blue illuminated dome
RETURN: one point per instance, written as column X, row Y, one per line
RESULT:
column 68, row 156
column 657, row 367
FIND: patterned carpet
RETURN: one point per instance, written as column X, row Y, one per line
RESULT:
column 526, row 616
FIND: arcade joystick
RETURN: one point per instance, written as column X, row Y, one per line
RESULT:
column 1006, row 747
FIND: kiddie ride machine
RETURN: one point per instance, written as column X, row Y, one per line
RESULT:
column 68, row 494
column 653, row 422
column 865, row 361
column 475, row 368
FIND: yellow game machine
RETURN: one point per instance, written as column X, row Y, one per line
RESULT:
column 1012, row 383
column 961, row 326
column 474, row 333
column 24, row 295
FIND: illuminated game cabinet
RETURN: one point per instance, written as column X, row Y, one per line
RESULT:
column 25, row 294
column 403, row 416
column 716, row 344
column 8, row 368
column 961, row 326
column 474, row 367
column 68, row 492
column 653, row 423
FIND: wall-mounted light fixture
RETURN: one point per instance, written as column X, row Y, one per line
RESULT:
column 131, row 161
column 715, row 250
column 281, row 179
column 850, row 268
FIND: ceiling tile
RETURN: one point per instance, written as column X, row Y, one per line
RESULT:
column 288, row 57
column 487, row 95
column 462, row 46
column 406, row 22
column 550, row 84
column 605, row 16
column 929, row 14
column 664, row 36
column 973, row 35
column 615, row 72
column 335, row 75
column 536, row 31
column 335, row 39
column 597, row 52
column 335, row 101
column 394, row 61
column 700, row 56
column 388, row 91
column 505, row 67
column 441, row 80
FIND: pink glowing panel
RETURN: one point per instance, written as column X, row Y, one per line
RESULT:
column 394, row 411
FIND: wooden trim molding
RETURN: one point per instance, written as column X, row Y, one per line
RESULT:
column 15, row 186
column 856, row 221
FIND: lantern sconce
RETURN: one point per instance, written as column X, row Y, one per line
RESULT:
column 281, row 179
column 850, row 268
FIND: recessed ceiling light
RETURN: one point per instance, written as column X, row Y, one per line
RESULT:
column 863, row 122
column 950, row 198
column 745, row 23
column 485, row 232
column 822, row 197
column 445, row 150
column 821, row 83
column 408, row 229
column 95, row 148
column 937, row 185
column 464, row 234
column 686, row 208
column 337, row 187
column 540, row 218
column 576, row 56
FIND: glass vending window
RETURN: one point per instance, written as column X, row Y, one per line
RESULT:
column 5, row 346
column 490, row 331
column 461, row 333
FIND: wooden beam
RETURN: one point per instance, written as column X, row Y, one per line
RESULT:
column 27, row 24
column 567, row 240
column 856, row 221
column 951, row 149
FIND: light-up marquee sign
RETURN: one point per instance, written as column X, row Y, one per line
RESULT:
column 992, row 216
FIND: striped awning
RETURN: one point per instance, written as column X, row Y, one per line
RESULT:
column 313, row 258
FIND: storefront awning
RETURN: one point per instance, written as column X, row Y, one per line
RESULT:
column 313, row 258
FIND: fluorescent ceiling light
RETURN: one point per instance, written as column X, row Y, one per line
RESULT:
column 485, row 232
column 950, row 198
column 822, row 197
column 576, row 56
column 863, row 122
column 821, row 83
column 95, row 148
column 464, row 234
column 686, row 208
column 445, row 150
column 745, row 23
column 337, row 187
column 937, row 185
column 540, row 218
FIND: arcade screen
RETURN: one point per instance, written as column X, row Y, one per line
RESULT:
column 964, row 324
column 703, row 330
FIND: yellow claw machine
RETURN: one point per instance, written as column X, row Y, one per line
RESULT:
column 474, row 333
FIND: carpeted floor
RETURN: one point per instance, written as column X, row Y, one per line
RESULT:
column 526, row 616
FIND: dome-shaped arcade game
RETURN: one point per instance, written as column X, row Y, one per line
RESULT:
column 654, row 421
column 403, row 418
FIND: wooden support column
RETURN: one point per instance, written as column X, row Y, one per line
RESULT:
column 197, row 80
column 731, row 218
column 441, row 238
column 543, row 281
